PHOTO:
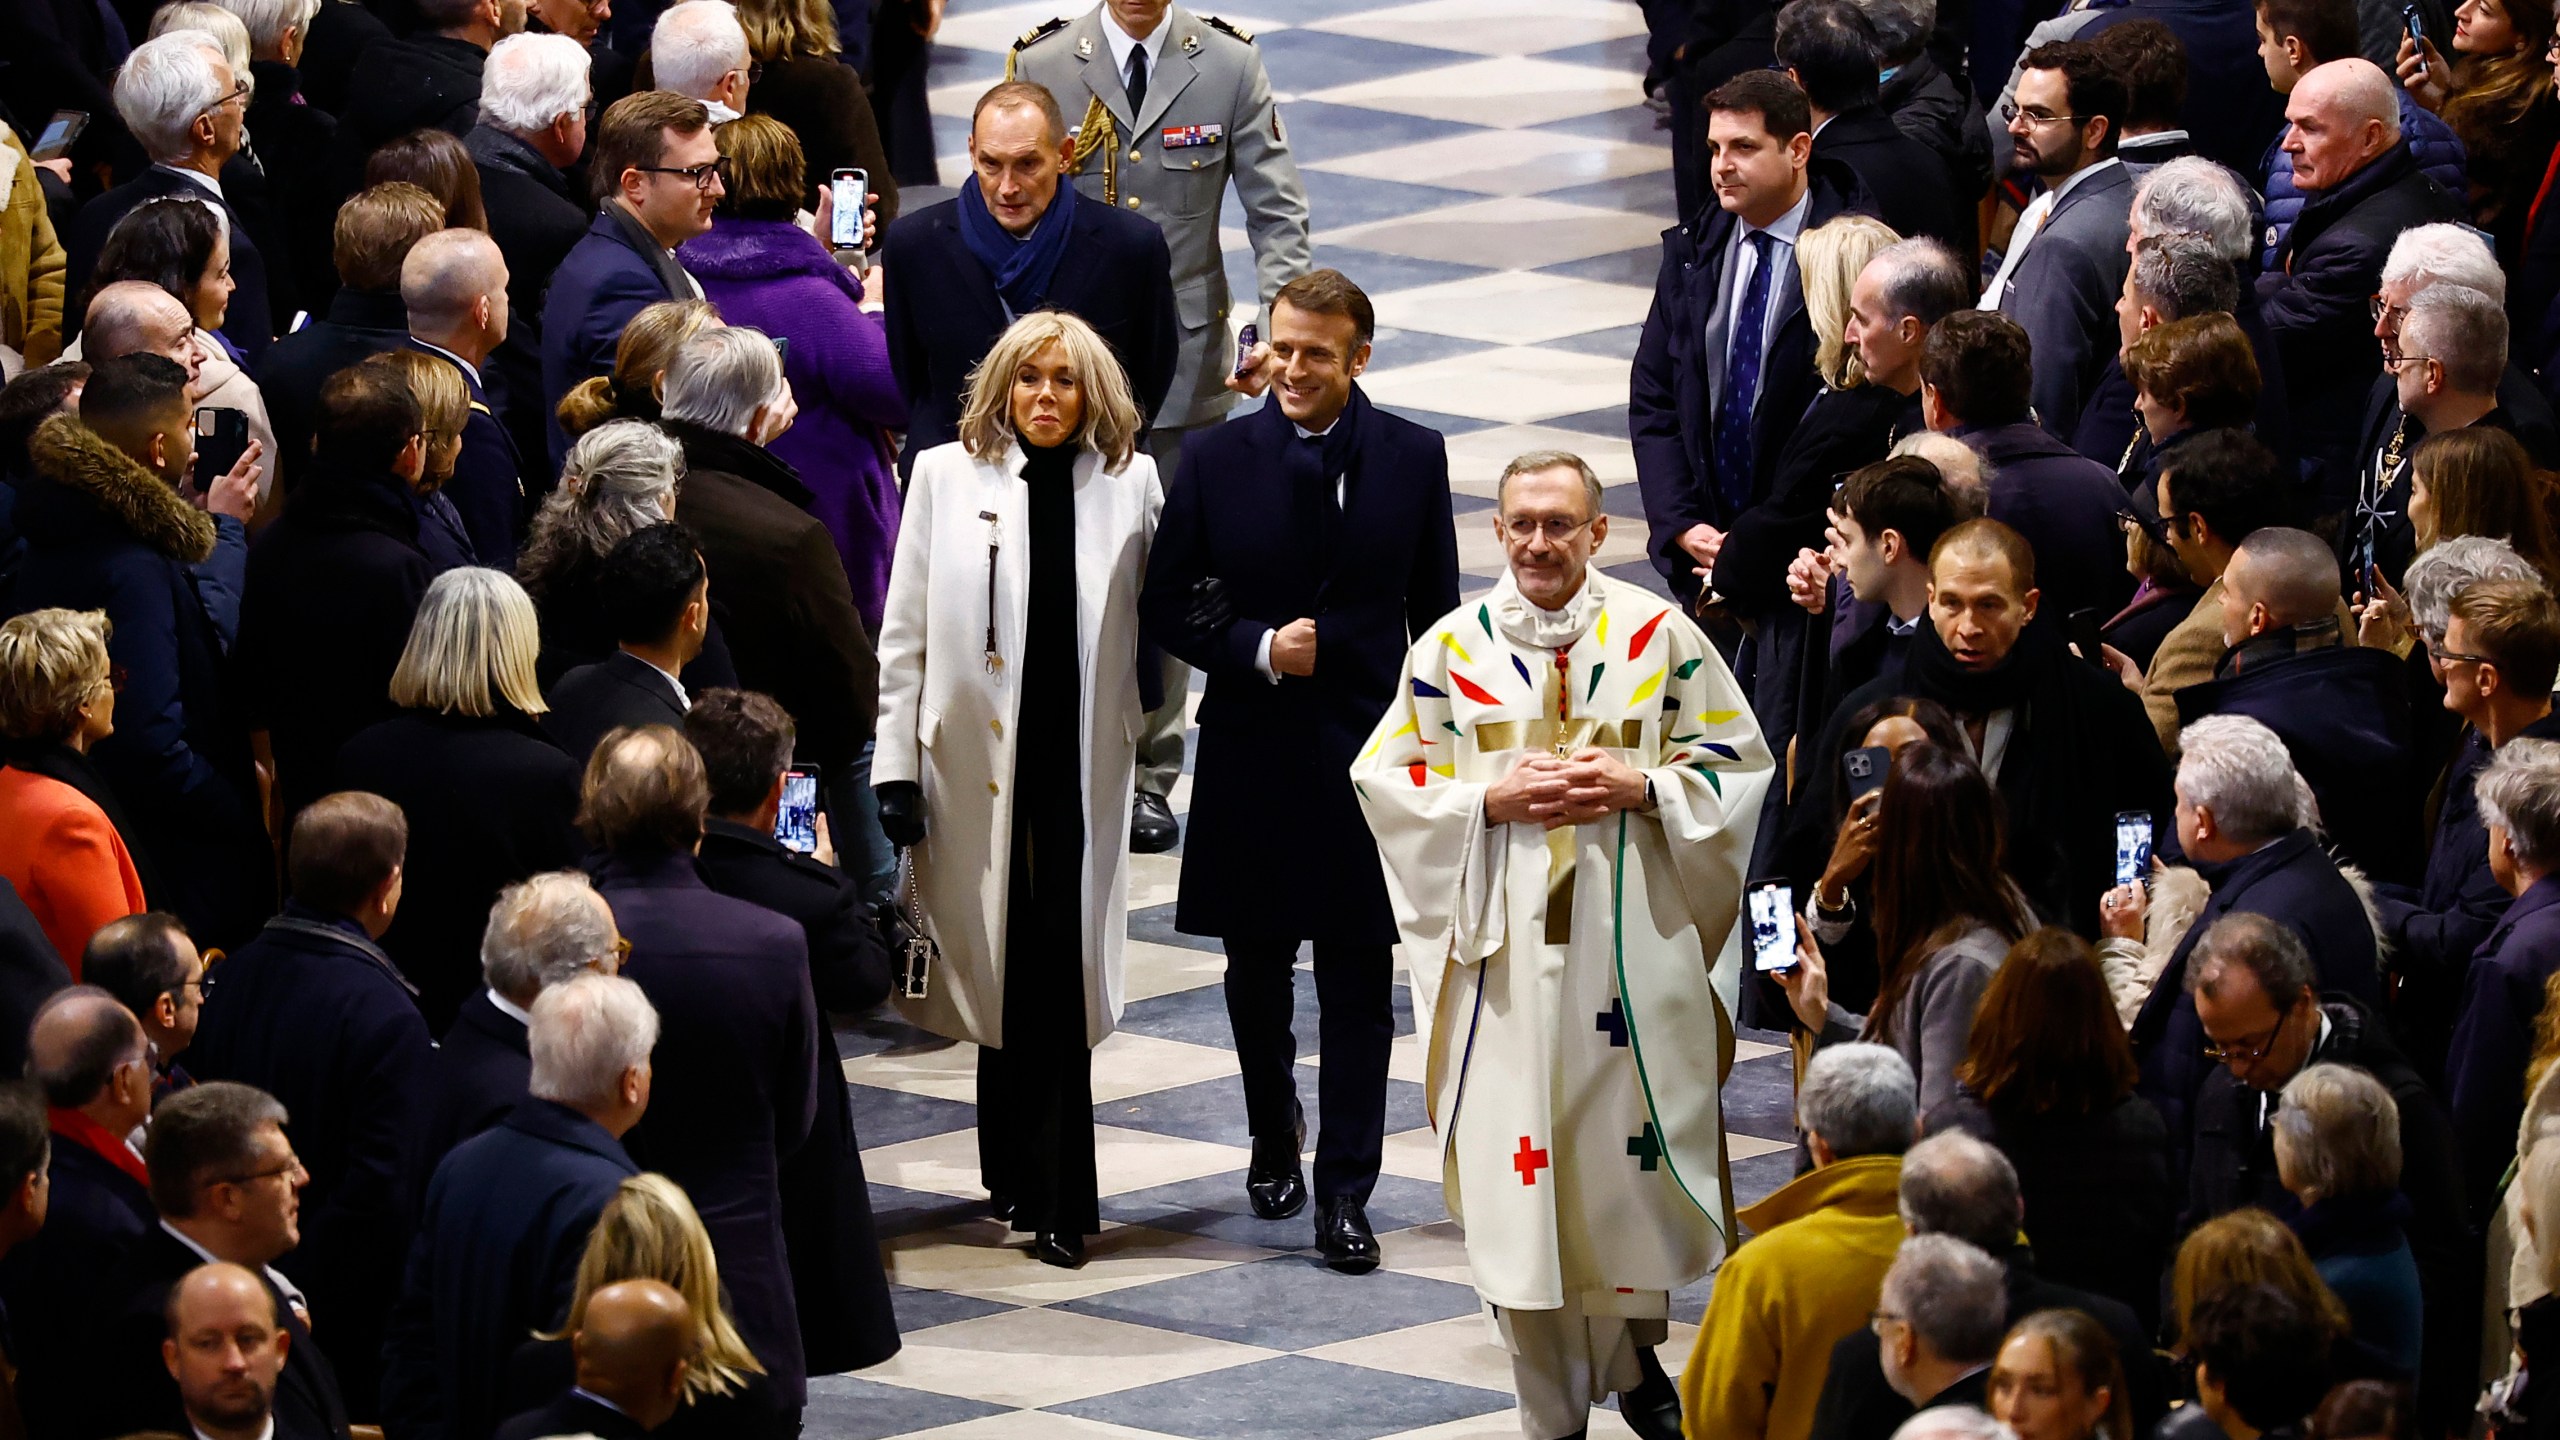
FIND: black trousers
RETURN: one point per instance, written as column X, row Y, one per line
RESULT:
column 1355, row 996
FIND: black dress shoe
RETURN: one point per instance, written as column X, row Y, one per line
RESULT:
column 1000, row 1205
column 1059, row 1249
column 1342, row 1233
column 1275, row 1182
column 1652, row 1409
column 1152, row 828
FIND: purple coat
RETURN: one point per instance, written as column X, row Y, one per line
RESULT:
column 774, row 276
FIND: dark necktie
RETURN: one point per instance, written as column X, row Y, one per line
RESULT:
column 1742, row 380
column 1137, row 81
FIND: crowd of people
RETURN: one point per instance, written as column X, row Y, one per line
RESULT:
column 535, row 588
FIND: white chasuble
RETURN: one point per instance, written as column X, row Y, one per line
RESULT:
column 1577, row 985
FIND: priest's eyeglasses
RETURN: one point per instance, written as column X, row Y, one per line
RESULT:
column 1524, row 530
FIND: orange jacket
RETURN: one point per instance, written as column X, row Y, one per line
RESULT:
column 66, row 859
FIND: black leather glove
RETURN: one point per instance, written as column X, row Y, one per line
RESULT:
column 901, row 812
column 1210, row 610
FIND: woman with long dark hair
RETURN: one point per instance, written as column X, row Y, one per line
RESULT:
column 2047, row 1078
column 2496, row 95
column 1945, row 914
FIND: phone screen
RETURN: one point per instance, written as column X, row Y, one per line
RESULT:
column 1773, row 929
column 844, row 230
column 59, row 132
column 1246, row 339
column 796, row 823
column 2133, row 846
column 1865, row 768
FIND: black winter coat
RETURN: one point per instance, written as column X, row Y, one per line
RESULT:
column 357, row 324
column 2099, row 1198
column 482, row 1069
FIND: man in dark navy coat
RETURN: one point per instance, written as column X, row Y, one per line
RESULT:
column 1712, row 401
column 657, row 177
column 1300, row 551
column 88, row 1055
column 375, row 230
column 313, row 1012
column 2493, row 1043
column 509, row 1211
column 454, row 286
column 1830, row 48
column 657, row 594
column 1015, row 241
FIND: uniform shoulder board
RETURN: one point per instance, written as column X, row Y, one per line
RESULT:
column 1228, row 26
column 1038, row 33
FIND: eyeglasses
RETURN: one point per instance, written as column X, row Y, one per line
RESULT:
column 2381, row 308
column 2238, row 1053
column 621, row 951
column 2402, row 361
column 292, row 1166
column 202, row 985
column 703, row 176
column 2010, row 114
column 2158, row 530
column 1876, row 1320
column 2455, row 657
column 239, row 91
column 1557, row 531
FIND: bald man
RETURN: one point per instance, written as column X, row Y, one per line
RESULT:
column 2344, row 712
column 634, row 1349
column 136, row 317
column 2364, row 188
column 225, row 1350
column 454, row 285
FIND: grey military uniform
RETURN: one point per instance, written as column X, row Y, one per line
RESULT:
column 1208, row 118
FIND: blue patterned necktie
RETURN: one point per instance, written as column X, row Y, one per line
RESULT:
column 1742, row 380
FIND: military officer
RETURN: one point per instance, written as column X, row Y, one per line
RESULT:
column 1174, row 106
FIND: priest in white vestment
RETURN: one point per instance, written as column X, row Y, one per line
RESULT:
column 1564, row 796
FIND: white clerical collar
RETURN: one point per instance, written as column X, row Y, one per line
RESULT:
column 198, row 176
column 1122, row 42
column 292, row 1294
column 267, row 1433
column 511, row 1009
column 1531, row 624
column 2079, row 175
column 433, row 348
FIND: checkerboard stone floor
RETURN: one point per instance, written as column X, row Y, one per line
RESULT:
column 1487, row 171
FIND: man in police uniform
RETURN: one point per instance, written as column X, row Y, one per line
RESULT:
column 1173, row 106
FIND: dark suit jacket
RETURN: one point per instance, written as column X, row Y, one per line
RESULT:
column 2230, row 113
column 1273, row 815
column 488, row 486
column 481, row 1070
column 490, row 802
column 738, row 1074
column 127, row 1388
column 780, row 587
column 422, row 81
column 1912, row 188
column 359, row 323
column 248, row 323
column 30, row 971
column 1673, row 390
column 598, row 287
column 2064, row 291
column 846, row 1320
column 2484, row 1070
column 314, row 1014
column 2343, row 712
column 945, row 316
column 50, row 1282
column 505, row 1224
column 2065, row 505
column 572, row 1415
column 621, row 689
column 533, row 215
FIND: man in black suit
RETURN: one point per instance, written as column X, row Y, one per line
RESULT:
column 318, row 969
column 26, row 1149
column 1938, row 1322
column 225, row 1179
column 429, row 80
column 1829, row 47
column 178, row 96
column 453, row 284
column 374, row 233
column 1015, row 241
column 86, row 1053
column 218, row 1314
column 532, row 131
column 31, row 971
column 542, row 931
column 2147, row 55
column 655, row 590
column 2064, row 268
column 508, row 1213
column 633, row 1351
column 745, row 740
column 1300, row 551
column 1712, row 401
column 150, row 964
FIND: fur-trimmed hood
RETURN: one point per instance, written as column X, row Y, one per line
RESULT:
column 97, row 484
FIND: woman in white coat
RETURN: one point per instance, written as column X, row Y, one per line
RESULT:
column 1009, row 719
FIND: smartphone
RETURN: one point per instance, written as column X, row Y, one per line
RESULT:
column 1773, row 925
column 2414, row 20
column 850, row 187
column 60, row 133
column 2084, row 634
column 782, row 349
column 796, row 823
column 2133, row 846
column 1246, row 339
column 222, row 436
column 1864, row 770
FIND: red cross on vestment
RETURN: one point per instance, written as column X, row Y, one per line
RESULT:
column 1528, row 1162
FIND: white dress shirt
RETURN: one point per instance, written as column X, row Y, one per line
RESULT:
column 292, row 1293
column 2030, row 225
column 268, row 1433
column 1122, row 43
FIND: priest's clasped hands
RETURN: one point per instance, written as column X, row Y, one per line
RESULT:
column 1556, row 790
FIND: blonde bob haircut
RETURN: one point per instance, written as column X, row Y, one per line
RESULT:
column 650, row 1231
column 1828, row 260
column 471, row 648
column 1110, row 426
column 444, row 406
column 52, row 662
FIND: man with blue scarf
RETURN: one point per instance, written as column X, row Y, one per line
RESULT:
column 1014, row 241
